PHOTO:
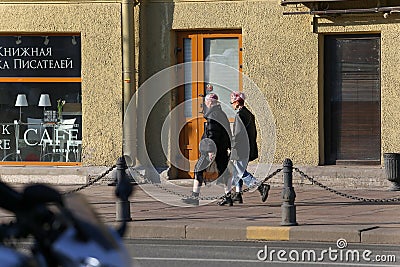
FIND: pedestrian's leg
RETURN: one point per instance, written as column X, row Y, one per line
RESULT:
column 193, row 199
column 249, row 180
column 228, row 196
column 199, row 168
column 196, row 186
column 222, row 164
column 239, row 186
column 240, row 169
column 235, row 174
column 228, row 186
column 239, row 193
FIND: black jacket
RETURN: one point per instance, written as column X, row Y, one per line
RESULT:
column 244, row 140
column 218, row 130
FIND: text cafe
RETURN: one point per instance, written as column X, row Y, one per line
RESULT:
column 40, row 99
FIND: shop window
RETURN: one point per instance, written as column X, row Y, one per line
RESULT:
column 352, row 99
column 40, row 99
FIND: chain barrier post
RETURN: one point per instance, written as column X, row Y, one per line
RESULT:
column 123, row 191
column 288, row 195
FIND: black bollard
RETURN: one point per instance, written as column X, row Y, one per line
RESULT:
column 288, row 195
column 123, row 191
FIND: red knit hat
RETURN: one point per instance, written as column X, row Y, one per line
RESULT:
column 212, row 97
column 236, row 96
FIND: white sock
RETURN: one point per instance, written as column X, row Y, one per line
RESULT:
column 238, row 189
column 196, row 186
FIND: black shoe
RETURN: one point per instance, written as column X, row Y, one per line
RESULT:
column 238, row 198
column 192, row 200
column 264, row 189
column 227, row 199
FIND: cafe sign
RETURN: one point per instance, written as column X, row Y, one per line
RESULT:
column 19, row 139
column 40, row 56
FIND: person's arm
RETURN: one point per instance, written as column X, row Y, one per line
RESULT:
column 239, row 129
column 213, row 132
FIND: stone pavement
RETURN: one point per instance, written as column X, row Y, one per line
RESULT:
column 321, row 215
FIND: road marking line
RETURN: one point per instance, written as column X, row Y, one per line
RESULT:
column 193, row 259
column 261, row 262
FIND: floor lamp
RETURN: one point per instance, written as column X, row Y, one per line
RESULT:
column 21, row 102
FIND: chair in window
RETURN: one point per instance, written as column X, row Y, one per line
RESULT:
column 75, row 147
column 35, row 128
column 34, row 133
column 68, row 144
column 60, row 136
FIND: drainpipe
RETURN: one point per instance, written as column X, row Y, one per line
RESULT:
column 129, row 82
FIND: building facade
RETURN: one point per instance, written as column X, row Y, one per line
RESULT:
column 71, row 52
column 326, row 68
column 326, row 71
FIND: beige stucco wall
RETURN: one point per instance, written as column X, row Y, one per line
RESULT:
column 283, row 56
column 276, row 50
column 99, row 24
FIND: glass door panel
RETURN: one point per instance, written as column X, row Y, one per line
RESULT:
column 187, row 57
column 216, row 61
column 224, row 52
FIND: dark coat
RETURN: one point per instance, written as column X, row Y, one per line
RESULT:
column 218, row 130
column 244, row 140
column 217, row 137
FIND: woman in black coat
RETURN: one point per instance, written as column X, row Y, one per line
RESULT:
column 244, row 148
column 214, row 145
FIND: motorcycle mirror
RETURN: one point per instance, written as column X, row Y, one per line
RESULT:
column 9, row 198
column 39, row 193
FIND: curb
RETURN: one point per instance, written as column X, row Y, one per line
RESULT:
column 55, row 175
column 307, row 233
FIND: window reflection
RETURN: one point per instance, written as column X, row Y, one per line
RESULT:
column 41, row 129
column 223, row 76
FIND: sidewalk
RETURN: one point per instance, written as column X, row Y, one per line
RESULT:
column 337, row 176
column 321, row 215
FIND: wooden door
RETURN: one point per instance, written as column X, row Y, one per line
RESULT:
column 352, row 99
column 201, row 79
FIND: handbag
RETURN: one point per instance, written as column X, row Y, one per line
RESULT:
column 211, row 172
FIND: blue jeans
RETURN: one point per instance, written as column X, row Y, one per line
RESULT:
column 240, row 173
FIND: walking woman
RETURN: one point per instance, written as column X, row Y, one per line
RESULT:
column 214, row 145
column 244, row 148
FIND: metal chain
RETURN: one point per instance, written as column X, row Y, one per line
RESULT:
column 302, row 174
column 91, row 182
column 158, row 185
column 169, row 191
column 314, row 182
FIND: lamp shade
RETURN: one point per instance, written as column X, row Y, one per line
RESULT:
column 21, row 101
column 44, row 100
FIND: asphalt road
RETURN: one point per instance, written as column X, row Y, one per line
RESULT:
column 176, row 253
